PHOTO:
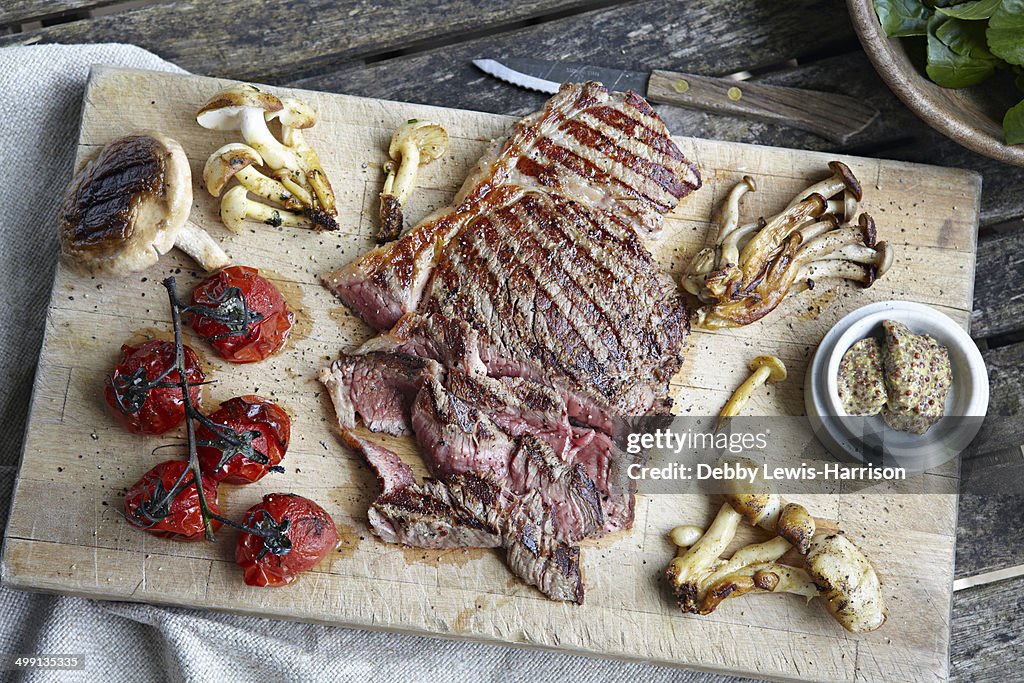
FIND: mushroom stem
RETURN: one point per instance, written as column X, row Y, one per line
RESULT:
column 198, row 244
column 391, row 219
column 842, row 178
column 702, row 555
column 764, row 368
column 275, row 217
column 766, row 243
column 310, row 161
column 743, row 393
column 268, row 188
column 406, row 175
column 254, row 130
column 731, row 209
column 809, row 232
column 236, row 208
column 730, row 252
column 300, row 192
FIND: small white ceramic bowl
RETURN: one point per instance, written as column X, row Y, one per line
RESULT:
column 869, row 439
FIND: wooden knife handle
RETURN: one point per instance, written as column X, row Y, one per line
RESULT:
column 836, row 117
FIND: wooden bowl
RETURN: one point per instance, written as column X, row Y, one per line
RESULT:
column 964, row 115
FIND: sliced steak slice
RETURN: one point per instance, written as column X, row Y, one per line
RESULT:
column 468, row 510
column 608, row 467
column 534, row 554
column 566, row 489
column 379, row 387
column 457, row 438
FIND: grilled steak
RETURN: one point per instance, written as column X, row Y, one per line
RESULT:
column 517, row 327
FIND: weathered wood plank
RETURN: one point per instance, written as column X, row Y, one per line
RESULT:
column 1006, row 379
column 265, row 40
column 988, row 639
column 999, row 285
column 704, row 38
column 14, row 11
column 988, row 535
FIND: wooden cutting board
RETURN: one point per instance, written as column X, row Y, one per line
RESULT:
column 66, row 534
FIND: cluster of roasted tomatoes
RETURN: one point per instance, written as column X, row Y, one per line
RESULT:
column 244, row 317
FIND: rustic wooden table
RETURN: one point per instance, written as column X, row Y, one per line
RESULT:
column 421, row 51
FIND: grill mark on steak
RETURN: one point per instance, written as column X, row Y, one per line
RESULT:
column 638, row 129
column 585, row 170
column 636, row 161
column 582, row 267
column 559, row 256
column 547, row 321
column 551, row 284
column 597, row 141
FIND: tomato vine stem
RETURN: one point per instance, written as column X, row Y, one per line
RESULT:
column 274, row 535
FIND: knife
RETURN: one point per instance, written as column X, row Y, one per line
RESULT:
column 832, row 116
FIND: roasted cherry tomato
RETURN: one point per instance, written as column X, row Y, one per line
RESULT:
column 148, row 506
column 297, row 533
column 134, row 390
column 250, row 425
column 241, row 314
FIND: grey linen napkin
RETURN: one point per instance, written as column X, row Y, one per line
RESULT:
column 42, row 89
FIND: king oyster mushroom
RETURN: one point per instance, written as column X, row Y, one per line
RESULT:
column 753, row 266
column 130, row 205
column 414, row 144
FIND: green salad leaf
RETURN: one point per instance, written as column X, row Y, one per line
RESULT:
column 948, row 68
column 966, row 38
column 1006, row 31
column 1013, row 124
column 979, row 9
column 902, row 18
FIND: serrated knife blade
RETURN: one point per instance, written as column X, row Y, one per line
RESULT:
column 548, row 76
